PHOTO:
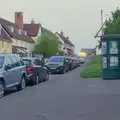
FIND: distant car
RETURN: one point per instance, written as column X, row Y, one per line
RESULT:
column 12, row 72
column 73, row 62
column 35, row 71
column 81, row 60
column 57, row 64
column 78, row 62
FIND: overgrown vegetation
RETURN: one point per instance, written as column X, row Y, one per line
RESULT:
column 93, row 68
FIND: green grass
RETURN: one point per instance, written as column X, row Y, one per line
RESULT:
column 93, row 68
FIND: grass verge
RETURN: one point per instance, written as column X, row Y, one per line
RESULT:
column 93, row 68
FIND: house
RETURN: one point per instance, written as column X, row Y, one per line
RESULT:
column 33, row 29
column 68, row 46
column 5, row 41
column 21, row 42
column 61, row 44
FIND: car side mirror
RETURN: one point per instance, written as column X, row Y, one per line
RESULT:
column 7, row 67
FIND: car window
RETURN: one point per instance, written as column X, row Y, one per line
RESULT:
column 15, row 62
column 56, row 59
column 8, row 61
column 1, row 61
column 27, row 61
column 37, row 62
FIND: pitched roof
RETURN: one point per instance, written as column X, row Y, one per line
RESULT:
column 4, row 35
column 65, row 40
column 15, row 34
column 48, row 32
column 32, row 29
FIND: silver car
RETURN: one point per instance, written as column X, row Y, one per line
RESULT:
column 12, row 72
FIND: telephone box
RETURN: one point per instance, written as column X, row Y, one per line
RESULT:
column 111, row 56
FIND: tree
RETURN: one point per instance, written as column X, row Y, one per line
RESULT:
column 46, row 45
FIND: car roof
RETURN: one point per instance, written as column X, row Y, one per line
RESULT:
column 30, row 58
column 58, row 56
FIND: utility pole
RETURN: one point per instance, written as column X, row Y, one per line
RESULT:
column 102, row 21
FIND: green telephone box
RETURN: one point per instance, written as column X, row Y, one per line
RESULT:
column 111, row 56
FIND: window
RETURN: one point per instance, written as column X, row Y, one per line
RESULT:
column 113, row 47
column 2, row 44
column 113, row 61
column 1, row 61
column 25, row 32
column 27, row 62
column 20, row 31
column 12, row 29
column 37, row 62
column 15, row 62
column 56, row 59
column 104, row 62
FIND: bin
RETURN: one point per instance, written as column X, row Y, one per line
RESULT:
column 111, row 56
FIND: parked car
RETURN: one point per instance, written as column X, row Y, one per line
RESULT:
column 73, row 63
column 35, row 71
column 57, row 64
column 12, row 72
column 70, row 64
column 78, row 62
column 81, row 60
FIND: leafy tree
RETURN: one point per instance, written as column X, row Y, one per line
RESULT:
column 46, row 45
column 112, row 25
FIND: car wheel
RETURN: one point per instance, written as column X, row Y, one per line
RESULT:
column 64, row 71
column 2, row 89
column 36, row 81
column 47, row 77
column 22, row 84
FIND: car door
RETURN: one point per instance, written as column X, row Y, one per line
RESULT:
column 9, row 73
column 37, row 63
column 16, row 69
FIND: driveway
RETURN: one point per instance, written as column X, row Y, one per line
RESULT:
column 64, row 97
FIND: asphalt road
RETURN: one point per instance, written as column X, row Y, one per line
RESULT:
column 64, row 97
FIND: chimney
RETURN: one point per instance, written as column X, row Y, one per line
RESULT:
column 61, row 33
column 19, row 19
column 32, row 22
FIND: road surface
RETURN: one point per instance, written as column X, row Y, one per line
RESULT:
column 64, row 97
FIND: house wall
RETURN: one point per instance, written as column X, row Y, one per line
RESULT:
column 28, row 45
column 5, row 46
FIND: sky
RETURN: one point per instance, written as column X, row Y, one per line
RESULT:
column 78, row 19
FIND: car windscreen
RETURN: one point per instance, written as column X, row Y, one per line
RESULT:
column 56, row 59
column 27, row 62
column 1, row 61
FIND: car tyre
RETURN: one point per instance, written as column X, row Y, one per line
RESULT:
column 22, row 84
column 63, row 70
column 36, row 81
column 47, row 77
column 2, row 89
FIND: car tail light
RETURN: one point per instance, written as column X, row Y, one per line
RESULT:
column 30, row 68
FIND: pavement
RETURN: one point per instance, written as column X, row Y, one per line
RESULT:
column 64, row 97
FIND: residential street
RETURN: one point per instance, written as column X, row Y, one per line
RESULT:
column 64, row 97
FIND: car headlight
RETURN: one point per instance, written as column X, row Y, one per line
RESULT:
column 60, row 67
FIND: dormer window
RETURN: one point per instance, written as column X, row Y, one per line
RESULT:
column 12, row 29
column 19, row 31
